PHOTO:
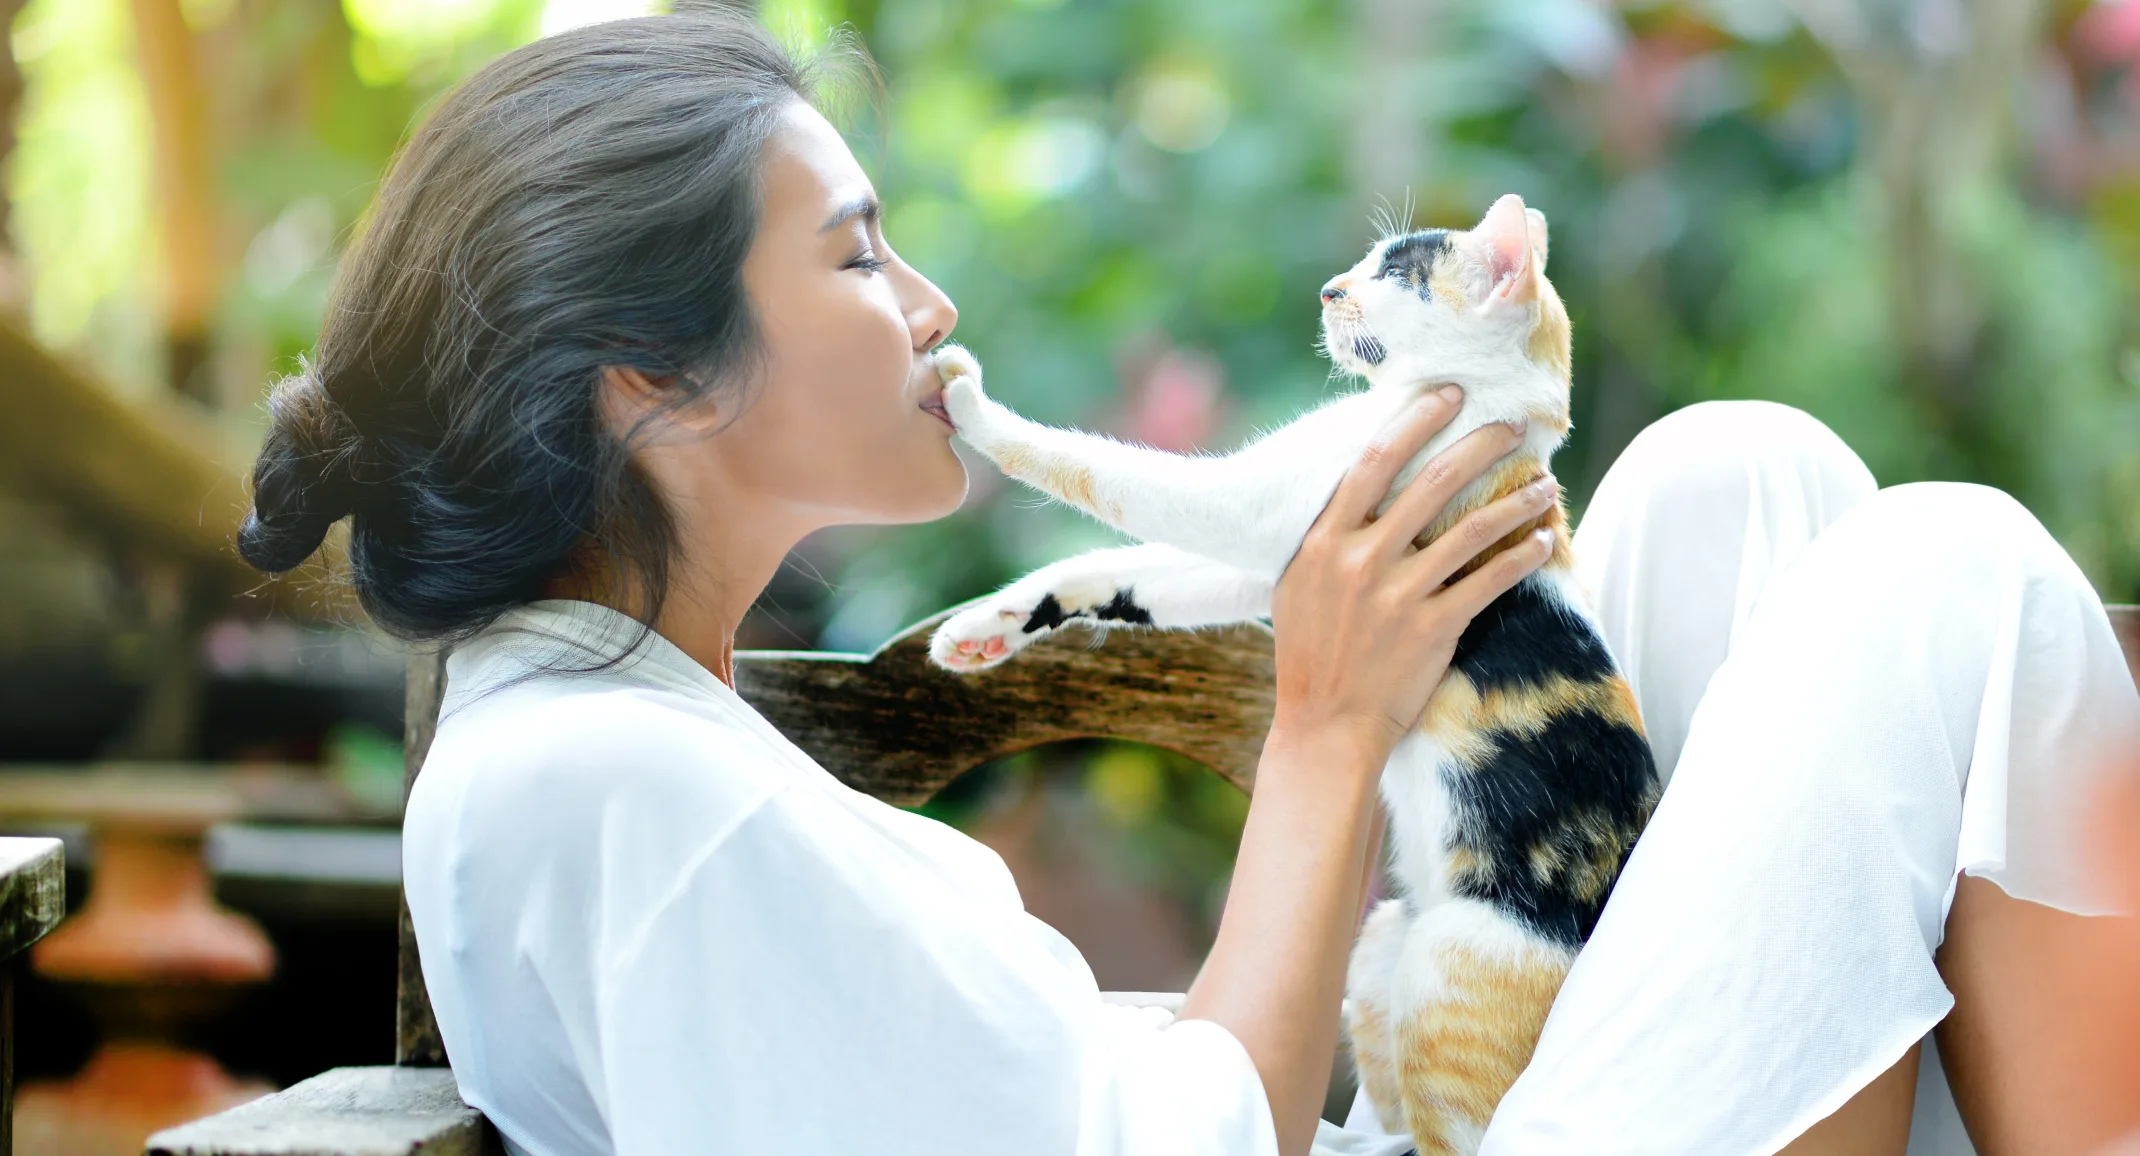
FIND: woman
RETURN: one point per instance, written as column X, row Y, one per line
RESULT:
column 623, row 328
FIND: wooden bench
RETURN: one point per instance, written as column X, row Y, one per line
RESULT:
column 33, row 898
column 889, row 724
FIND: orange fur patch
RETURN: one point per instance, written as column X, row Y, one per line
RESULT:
column 1460, row 1053
column 1016, row 462
column 1052, row 475
column 1446, row 288
column 1073, row 484
column 1553, row 340
column 1458, row 716
column 1368, row 1032
column 1506, row 478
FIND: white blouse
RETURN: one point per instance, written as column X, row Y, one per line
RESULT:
column 650, row 924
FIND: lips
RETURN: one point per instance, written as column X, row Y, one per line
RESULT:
column 934, row 406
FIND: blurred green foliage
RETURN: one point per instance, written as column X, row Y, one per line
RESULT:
column 1112, row 189
column 1918, row 219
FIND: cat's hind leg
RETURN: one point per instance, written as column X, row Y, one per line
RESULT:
column 1471, row 998
column 1147, row 585
column 1368, row 980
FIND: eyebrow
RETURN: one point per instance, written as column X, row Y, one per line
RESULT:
column 865, row 207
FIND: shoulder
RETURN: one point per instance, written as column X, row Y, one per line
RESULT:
column 559, row 752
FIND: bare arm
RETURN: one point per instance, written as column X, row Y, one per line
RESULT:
column 1365, row 630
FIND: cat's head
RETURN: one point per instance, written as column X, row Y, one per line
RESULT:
column 1472, row 307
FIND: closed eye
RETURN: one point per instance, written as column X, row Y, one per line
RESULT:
column 867, row 261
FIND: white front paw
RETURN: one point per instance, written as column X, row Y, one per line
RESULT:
column 955, row 361
column 979, row 637
column 964, row 399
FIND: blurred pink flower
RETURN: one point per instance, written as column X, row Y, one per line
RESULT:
column 1174, row 397
column 2109, row 33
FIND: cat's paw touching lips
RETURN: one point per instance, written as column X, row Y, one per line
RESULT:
column 961, row 401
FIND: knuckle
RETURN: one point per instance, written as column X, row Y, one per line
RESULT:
column 1375, row 453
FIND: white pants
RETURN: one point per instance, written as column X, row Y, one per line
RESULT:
column 1855, row 694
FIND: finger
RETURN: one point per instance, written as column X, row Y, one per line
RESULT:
column 1397, row 443
column 1478, row 532
column 1428, row 494
column 1475, row 590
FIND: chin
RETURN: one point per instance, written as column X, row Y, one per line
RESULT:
column 940, row 492
column 954, row 495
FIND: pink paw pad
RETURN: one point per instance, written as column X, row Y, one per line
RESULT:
column 986, row 648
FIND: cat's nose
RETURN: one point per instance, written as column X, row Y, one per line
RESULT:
column 1332, row 292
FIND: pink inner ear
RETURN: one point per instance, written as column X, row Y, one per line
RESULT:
column 1508, row 240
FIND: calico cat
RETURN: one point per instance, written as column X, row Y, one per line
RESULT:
column 1516, row 798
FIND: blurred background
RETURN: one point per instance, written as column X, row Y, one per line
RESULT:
column 1917, row 219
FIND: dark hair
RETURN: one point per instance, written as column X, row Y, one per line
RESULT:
column 584, row 201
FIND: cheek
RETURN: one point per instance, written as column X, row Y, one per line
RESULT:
column 856, row 355
column 1390, row 309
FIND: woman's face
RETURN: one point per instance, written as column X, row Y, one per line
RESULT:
column 844, row 421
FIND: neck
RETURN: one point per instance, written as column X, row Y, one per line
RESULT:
column 705, row 605
column 718, row 573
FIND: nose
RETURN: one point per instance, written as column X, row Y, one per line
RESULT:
column 929, row 312
column 1332, row 292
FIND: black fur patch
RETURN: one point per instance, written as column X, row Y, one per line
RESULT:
column 1581, row 788
column 1369, row 350
column 1412, row 258
column 1046, row 616
column 1050, row 614
column 1121, row 609
column 1525, row 636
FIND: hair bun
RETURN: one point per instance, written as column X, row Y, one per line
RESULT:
column 304, row 480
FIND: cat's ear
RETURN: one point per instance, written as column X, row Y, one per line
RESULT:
column 1514, row 257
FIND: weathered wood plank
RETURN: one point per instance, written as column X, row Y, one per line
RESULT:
column 142, row 474
column 383, row 1111
column 33, row 899
column 147, row 474
column 33, row 891
column 179, row 797
column 416, row 1039
column 897, row 727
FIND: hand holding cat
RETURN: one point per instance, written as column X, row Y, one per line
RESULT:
column 1365, row 625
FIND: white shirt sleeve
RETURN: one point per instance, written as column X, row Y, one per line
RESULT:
column 804, row 991
column 651, row 926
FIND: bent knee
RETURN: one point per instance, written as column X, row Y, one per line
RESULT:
column 1733, row 443
column 1924, row 539
column 1954, row 521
